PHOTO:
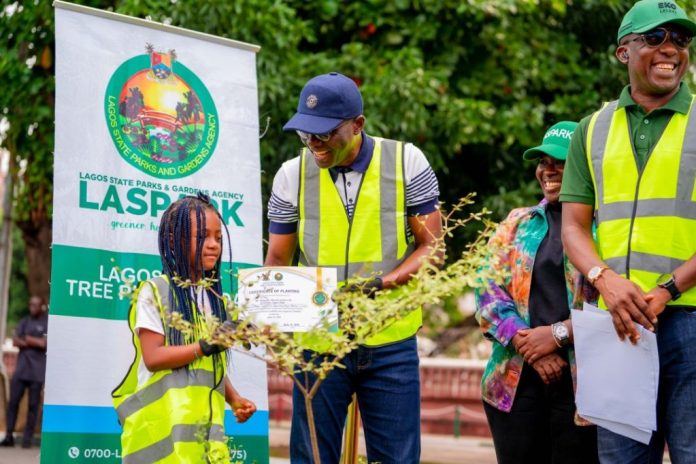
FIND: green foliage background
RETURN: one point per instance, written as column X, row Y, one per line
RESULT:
column 472, row 82
column 18, row 304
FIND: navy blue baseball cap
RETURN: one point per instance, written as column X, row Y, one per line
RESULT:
column 325, row 102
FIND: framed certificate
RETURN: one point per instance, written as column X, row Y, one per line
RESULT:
column 295, row 299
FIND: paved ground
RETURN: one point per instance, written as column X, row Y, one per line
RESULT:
column 437, row 449
column 19, row 456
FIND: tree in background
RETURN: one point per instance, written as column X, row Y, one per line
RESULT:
column 472, row 83
column 26, row 103
column 18, row 303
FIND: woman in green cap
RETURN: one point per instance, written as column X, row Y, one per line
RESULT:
column 528, row 384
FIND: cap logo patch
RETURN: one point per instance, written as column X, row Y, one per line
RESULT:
column 312, row 101
column 665, row 5
column 563, row 133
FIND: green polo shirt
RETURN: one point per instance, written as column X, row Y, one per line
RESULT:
column 646, row 129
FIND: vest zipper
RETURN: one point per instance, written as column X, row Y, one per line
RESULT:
column 635, row 196
column 630, row 228
column 350, row 218
column 213, row 358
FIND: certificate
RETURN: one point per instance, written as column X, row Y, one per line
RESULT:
column 295, row 299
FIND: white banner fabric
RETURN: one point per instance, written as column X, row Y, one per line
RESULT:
column 145, row 113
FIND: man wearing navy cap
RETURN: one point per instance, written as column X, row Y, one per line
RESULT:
column 366, row 206
column 632, row 166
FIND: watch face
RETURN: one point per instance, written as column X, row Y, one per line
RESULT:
column 560, row 330
column 664, row 279
column 594, row 273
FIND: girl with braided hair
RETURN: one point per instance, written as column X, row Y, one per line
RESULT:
column 171, row 403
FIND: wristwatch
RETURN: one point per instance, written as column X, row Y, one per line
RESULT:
column 667, row 282
column 595, row 273
column 560, row 333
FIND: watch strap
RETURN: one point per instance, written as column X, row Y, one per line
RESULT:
column 595, row 273
column 671, row 287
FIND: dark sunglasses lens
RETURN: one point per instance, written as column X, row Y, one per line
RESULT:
column 306, row 136
column 655, row 38
column 680, row 39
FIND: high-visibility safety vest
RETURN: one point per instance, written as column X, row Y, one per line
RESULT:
column 177, row 416
column 373, row 240
column 646, row 218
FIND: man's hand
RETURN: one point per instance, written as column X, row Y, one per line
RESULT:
column 550, row 367
column 658, row 298
column 243, row 408
column 535, row 343
column 368, row 288
column 627, row 303
column 35, row 342
column 228, row 327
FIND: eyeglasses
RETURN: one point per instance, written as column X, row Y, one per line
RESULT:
column 306, row 137
column 657, row 37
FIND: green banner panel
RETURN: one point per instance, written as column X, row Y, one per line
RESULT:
column 97, row 283
column 58, row 448
column 78, row 448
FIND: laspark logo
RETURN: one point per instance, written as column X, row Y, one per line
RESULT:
column 160, row 116
column 563, row 133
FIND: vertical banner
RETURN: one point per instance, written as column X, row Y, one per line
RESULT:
column 145, row 113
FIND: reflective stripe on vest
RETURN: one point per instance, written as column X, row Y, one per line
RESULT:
column 177, row 413
column 646, row 219
column 372, row 241
column 187, row 449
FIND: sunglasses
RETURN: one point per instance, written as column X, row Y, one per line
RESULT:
column 306, row 137
column 657, row 37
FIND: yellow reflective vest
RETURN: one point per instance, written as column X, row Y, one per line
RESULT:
column 373, row 240
column 177, row 416
column 646, row 218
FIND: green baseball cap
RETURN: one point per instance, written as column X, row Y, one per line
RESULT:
column 556, row 142
column 649, row 14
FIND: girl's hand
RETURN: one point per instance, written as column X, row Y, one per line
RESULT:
column 243, row 409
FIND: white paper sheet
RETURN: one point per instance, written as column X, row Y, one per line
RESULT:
column 617, row 381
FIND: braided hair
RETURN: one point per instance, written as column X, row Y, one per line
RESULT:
column 175, row 251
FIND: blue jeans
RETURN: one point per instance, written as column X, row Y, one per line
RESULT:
column 676, row 420
column 386, row 382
